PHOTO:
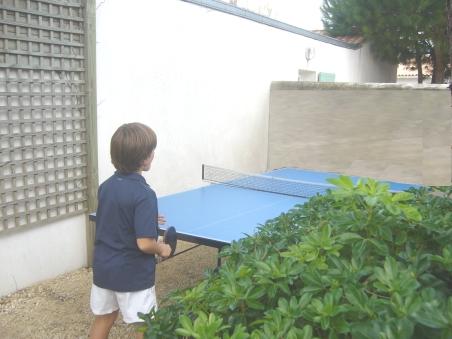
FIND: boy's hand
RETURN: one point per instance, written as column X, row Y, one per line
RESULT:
column 164, row 249
column 161, row 219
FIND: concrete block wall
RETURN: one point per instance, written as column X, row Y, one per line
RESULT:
column 385, row 131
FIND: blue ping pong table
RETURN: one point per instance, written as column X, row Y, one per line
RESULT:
column 217, row 214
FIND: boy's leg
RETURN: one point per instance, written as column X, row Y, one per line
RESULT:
column 102, row 325
column 130, row 303
column 105, row 308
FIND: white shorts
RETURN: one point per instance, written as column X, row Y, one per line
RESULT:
column 105, row 301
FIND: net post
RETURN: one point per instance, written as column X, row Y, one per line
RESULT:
column 202, row 173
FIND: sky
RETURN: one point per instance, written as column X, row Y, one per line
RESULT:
column 302, row 13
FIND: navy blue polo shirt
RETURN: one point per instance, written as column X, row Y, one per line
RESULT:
column 127, row 210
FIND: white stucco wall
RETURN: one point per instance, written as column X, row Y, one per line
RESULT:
column 201, row 79
column 41, row 253
column 373, row 70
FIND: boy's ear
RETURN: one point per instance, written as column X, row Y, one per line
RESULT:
column 143, row 163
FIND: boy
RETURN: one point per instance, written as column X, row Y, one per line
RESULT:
column 126, row 234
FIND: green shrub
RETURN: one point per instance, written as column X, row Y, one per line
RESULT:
column 358, row 262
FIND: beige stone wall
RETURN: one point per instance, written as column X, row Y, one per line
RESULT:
column 385, row 131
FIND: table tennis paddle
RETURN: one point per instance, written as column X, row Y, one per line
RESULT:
column 170, row 238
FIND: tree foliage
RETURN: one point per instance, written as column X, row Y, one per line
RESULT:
column 399, row 30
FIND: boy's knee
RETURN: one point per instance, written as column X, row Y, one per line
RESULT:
column 102, row 325
column 108, row 318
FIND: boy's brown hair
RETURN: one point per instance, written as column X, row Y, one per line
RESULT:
column 130, row 145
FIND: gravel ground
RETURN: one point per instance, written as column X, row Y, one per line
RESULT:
column 59, row 308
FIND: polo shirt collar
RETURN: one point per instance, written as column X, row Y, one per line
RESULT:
column 131, row 176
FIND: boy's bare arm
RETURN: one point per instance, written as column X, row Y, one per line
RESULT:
column 152, row 246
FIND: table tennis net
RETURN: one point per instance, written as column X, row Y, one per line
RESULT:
column 263, row 183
